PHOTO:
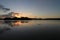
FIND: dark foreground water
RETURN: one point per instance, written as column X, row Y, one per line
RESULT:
column 24, row 29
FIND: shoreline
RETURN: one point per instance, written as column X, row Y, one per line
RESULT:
column 30, row 19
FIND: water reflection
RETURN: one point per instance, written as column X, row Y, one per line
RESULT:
column 10, row 23
column 15, row 22
column 3, row 30
column 23, row 28
column 27, row 22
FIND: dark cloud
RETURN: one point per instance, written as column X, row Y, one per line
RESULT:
column 3, row 8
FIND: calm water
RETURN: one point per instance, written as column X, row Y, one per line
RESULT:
column 29, row 28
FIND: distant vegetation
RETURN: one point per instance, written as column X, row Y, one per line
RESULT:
column 26, row 18
column 15, row 18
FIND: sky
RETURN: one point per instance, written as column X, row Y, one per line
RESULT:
column 33, row 8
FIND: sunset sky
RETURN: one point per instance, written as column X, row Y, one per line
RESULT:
column 34, row 8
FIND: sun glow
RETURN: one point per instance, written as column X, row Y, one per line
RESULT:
column 18, row 15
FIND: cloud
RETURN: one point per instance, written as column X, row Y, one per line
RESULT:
column 3, row 8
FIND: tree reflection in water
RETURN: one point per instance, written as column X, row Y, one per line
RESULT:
column 11, row 23
column 15, row 22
